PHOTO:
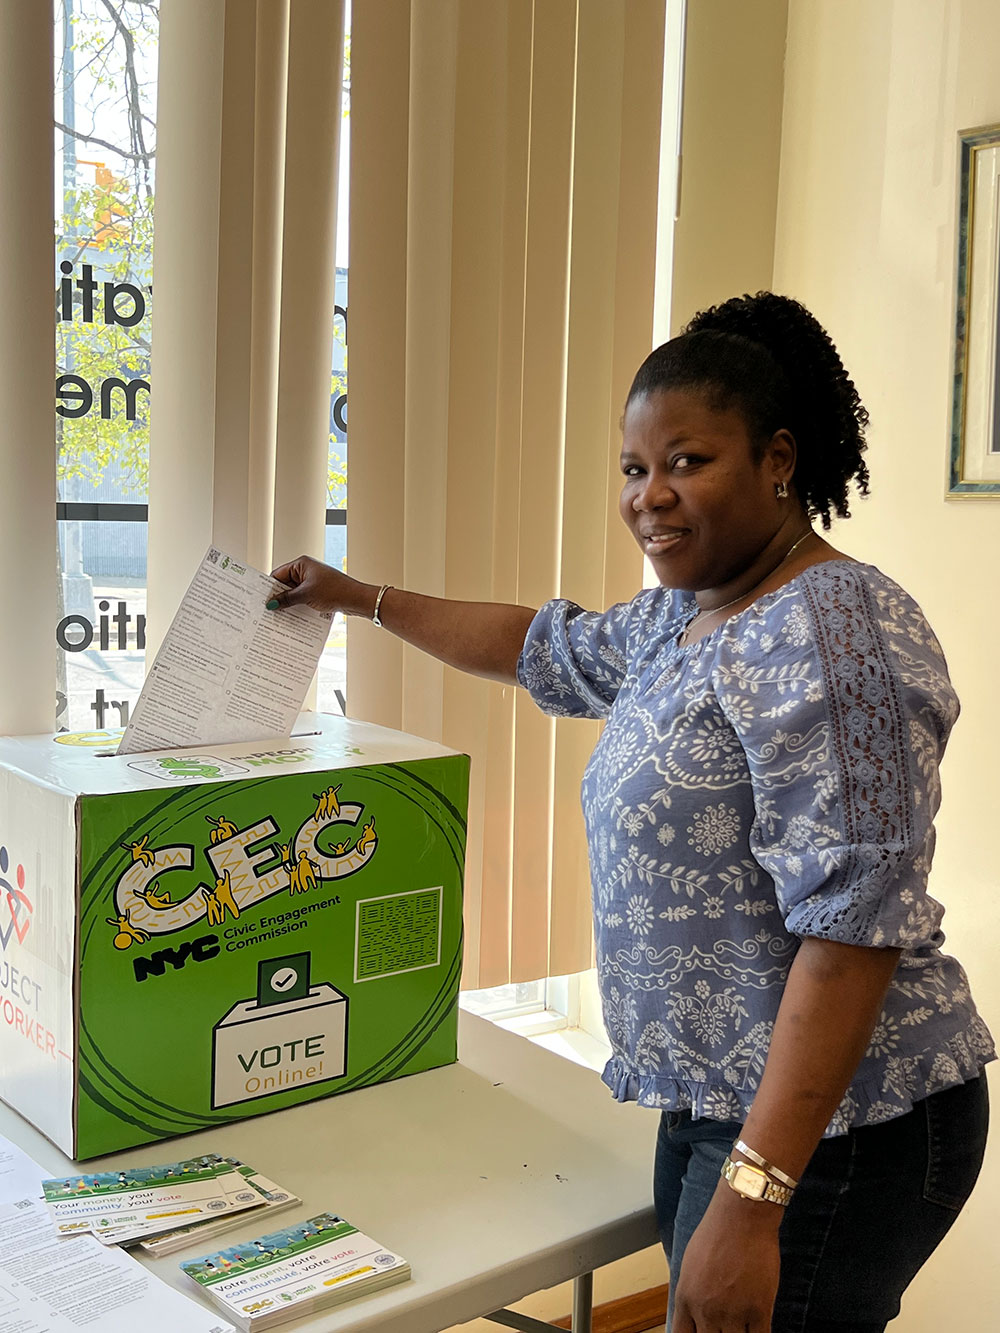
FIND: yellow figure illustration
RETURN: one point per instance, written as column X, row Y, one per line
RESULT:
column 368, row 838
column 222, row 828
column 219, row 901
column 329, row 805
column 127, row 933
column 213, row 908
column 306, row 871
column 289, row 865
column 341, row 848
column 224, row 895
column 152, row 897
column 140, row 851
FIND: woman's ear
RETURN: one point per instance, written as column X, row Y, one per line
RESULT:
column 780, row 454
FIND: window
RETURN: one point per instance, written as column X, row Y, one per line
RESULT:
column 561, row 1013
column 105, row 125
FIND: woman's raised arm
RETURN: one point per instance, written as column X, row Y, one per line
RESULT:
column 483, row 638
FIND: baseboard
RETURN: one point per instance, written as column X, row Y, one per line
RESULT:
column 629, row 1314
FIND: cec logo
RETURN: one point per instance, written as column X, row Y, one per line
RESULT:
column 188, row 768
column 89, row 739
column 15, row 906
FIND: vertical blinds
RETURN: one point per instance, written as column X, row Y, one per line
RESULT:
column 503, row 220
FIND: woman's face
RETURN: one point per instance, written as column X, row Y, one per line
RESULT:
column 699, row 505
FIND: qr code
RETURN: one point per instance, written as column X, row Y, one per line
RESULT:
column 23, row 1203
column 213, row 555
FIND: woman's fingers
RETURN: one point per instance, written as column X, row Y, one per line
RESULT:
column 288, row 597
column 284, row 572
column 311, row 583
column 710, row 1320
column 298, row 571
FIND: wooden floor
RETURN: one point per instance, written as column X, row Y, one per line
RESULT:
column 646, row 1310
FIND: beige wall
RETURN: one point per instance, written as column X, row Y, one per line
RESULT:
column 875, row 94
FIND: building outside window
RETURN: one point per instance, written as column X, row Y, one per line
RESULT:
column 105, row 158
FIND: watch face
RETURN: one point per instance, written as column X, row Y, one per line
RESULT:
column 749, row 1181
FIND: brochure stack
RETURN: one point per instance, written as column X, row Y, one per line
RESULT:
column 293, row 1272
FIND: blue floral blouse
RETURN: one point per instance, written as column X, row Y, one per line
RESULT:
column 775, row 780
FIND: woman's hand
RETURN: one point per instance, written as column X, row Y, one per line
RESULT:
column 729, row 1272
column 311, row 583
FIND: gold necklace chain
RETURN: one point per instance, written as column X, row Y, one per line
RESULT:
column 711, row 610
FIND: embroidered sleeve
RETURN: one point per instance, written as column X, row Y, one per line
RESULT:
column 844, row 718
column 573, row 661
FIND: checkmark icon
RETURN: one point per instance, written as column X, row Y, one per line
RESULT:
column 283, row 980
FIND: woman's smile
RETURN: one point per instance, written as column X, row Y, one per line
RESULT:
column 661, row 541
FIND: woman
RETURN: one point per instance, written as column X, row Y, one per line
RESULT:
column 759, row 812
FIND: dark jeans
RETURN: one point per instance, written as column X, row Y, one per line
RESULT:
column 870, row 1208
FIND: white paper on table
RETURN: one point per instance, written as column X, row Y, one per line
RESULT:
column 53, row 1285
column 228, row 670
column 20, row 1177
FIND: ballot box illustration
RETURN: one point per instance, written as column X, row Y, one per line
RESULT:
column 289, row 1033
column 195, row 936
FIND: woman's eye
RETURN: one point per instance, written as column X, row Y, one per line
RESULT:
column 631, row 470
column 683, row 461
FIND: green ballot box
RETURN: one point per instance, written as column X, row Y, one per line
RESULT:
column 191, row 937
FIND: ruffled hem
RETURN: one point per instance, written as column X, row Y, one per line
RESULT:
column 868, row 1101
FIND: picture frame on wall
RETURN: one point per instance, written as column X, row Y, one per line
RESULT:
column 974, row 465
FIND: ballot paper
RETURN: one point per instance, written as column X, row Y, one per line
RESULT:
column 132, row 1203
column 228, row 669
column 53, row 1285
column 20, row 1177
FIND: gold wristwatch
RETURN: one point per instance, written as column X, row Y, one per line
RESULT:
column 752, row 1183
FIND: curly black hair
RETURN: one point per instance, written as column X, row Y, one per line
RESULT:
column 769, row 357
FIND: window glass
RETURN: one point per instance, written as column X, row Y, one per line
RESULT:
column 105, row 130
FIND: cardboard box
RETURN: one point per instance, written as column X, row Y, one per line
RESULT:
column 189, row 938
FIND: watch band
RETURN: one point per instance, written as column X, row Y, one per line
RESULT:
column 751, row 1183
column 764, row 1165
column 378, row 602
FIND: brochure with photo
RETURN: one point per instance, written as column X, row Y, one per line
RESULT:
column 143, row 1200
column 286, row 1274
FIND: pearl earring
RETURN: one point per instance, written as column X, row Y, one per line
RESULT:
column 781, row 490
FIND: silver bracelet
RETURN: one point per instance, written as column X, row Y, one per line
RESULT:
column 755, row 1157
column 378, row 602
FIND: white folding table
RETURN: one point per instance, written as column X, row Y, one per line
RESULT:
column 496, row 1177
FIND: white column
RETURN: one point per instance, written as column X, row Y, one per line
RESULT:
column 28, row 551
column 308, row 276
column 185, row 304
column 270, row 98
